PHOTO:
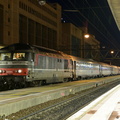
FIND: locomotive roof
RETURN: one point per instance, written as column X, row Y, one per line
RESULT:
column 17, row 46
column 28, row 47
column 44, row 49
column 22, row 46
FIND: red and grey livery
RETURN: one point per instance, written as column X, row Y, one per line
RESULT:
column 23, row 64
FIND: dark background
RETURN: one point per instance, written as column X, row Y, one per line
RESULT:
column 95, row 14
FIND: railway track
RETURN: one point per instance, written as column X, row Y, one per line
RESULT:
column 62, row 108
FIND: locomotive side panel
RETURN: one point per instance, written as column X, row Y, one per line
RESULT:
column 51, row 68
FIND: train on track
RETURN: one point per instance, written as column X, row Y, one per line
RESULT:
column 24, row 64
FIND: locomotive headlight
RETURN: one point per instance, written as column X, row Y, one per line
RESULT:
column 19, row 71
column 1, row 71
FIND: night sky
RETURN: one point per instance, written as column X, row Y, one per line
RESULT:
column 97, row 15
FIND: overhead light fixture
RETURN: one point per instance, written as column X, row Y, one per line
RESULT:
column 86, row 35
column 112, row 51
column 42, row 2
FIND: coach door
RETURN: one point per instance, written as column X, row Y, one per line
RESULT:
column 32, row 65
column 100, row 70
column 74, row 70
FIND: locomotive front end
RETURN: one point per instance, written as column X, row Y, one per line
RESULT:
column 13, row 69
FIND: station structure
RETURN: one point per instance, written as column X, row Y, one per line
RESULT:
column 26, row 21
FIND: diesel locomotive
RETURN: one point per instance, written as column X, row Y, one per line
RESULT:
column 25, row 65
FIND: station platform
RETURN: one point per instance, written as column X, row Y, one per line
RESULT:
column 15, row 100
column 106, row 107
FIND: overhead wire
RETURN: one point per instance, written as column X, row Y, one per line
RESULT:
column 101, row 21
column 92, row 23
column 101, row 24
column 105, row 17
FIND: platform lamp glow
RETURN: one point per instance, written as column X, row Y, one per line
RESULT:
column 42, row 2
column 111, row 51
column 86, row 35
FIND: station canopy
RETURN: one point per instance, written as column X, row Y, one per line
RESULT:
column 115, row 9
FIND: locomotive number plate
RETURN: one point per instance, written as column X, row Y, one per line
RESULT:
column 9, row 71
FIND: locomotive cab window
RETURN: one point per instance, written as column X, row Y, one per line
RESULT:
column 23, row 56
column 5, row 56
column 18, row 56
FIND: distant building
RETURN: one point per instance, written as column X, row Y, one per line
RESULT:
column 74, row 43
column 72, row 40
column 91, row 45
column 26, row 21
column 91, row 48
